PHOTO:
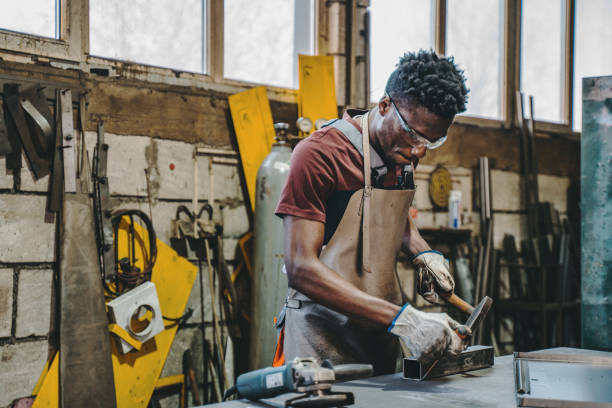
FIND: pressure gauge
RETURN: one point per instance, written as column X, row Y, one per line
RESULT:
column 304, row 124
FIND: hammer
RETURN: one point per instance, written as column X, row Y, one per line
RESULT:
column 459, row 303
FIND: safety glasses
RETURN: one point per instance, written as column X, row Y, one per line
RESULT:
column 421, row 140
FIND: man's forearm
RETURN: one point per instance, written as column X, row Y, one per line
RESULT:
column 324, row 286
column 413, row 242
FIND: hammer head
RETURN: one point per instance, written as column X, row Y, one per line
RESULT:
column 479, row 313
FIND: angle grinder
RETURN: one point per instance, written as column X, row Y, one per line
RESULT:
column 302, row 375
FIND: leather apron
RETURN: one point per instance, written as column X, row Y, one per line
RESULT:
column 375, row 220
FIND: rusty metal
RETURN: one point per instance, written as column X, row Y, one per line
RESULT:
column 86, row 371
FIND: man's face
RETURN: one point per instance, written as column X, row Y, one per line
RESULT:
column 404, row 143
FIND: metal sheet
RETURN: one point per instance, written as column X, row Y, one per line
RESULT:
column 317, row 93
column 254, row 128
column 596, row 212
column 86, row 372
column 563, row 381
column 34, row 152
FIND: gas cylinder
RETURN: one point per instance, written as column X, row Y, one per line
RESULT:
column 269, row 282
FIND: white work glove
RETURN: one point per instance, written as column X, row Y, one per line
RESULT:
column 428, row 336
column 432, row 275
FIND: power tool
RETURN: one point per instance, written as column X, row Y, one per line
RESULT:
column 302, row 375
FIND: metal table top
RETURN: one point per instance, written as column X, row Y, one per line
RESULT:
column 491, row 387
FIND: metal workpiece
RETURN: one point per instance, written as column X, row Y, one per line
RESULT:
column 269, row 281
column 127, row 311
column 474, row 358
column 563, row 380
column 596, row 213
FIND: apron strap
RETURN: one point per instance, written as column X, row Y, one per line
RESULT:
column 367, row 193
column 379, row 169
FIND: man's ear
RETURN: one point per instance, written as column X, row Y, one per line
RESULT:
column 383, row 105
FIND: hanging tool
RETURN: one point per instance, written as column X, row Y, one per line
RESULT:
column 32, row 119
column 102, row 206
column 68, row 141
column 302, row 375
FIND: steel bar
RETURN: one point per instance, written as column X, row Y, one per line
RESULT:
column 474, row 358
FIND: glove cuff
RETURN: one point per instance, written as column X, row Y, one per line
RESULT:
column 425, row 252
column 392, row 325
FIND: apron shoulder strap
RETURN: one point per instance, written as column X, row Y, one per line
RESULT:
column 379, row 170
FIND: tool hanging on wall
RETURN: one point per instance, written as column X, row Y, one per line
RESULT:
column 31, row 120
column 102, row 205
column 207, row 244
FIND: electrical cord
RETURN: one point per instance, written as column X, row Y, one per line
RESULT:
column 127, row 274
column 229, row 392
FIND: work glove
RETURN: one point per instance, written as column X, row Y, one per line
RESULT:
column 428, row 336
column 432, row 275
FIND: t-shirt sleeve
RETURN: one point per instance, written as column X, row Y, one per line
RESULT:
column 309, row 183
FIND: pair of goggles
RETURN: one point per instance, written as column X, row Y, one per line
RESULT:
column 418, row 138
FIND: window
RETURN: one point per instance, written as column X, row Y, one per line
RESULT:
column 163, row 33
column 37, row 17
column 592, row 54
column 542, row 45
column 262, row 40
column 397, row 26
column 474, row 37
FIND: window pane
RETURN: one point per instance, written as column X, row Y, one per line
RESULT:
column 542, row 57
column 38, row 17
column 474, row 36
column 397, row 26
column 593, row 52
column 164, row 33
column 263, row 39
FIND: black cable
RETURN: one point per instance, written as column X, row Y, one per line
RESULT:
column 132, row 277
column 229, row 392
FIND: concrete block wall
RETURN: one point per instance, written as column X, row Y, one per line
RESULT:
column 27, row 282
column 28, row 269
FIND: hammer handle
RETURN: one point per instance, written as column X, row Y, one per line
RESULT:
column 459, row 303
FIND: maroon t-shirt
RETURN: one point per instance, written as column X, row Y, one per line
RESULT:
column 325, row 170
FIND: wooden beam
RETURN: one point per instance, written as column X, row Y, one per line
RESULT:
column 512, row 60
column 567, row 92
column 440, row 27
column 215, row 29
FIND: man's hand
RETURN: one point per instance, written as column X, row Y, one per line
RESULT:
column 428, row 336
column 432, row 276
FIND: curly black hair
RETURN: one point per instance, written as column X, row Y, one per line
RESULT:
column 425, row 79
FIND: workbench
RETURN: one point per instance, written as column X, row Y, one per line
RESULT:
column 490, row 387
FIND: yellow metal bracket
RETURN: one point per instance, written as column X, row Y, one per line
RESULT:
column 123, row 334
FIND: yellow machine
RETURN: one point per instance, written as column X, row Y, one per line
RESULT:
column 137, row 372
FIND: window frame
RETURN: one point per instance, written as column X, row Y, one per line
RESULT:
column 73, row 49
column 71, row 43
column 511, row 60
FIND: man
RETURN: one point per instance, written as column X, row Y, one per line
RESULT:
column 346, row 218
